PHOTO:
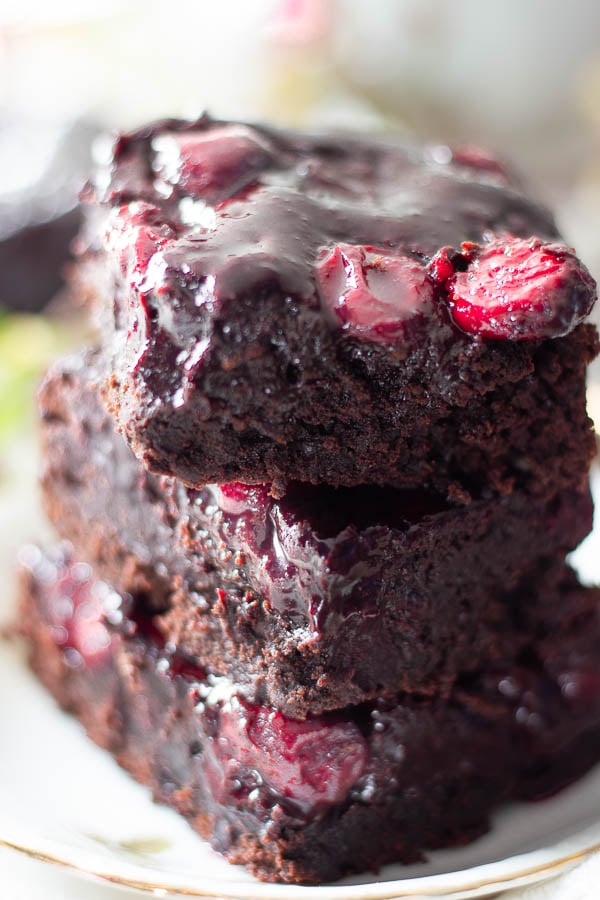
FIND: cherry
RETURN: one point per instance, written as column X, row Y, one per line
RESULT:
column 475, row 157
column 236, row 498
column 211, row 165
column 77, row 607
column 313, row 762
column 581, row 685
column 514, row 289
column 373, row 291
column 135, row 236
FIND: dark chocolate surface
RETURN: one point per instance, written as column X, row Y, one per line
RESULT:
column 280, row 311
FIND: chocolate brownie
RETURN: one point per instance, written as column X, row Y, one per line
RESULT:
column 310, row 801
column 322, row 598
column 278, row 306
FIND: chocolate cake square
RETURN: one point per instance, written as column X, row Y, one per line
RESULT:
column 278, row 306
column 309, row 801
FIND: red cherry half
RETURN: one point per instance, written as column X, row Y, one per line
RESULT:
column 514, row 289
column 373, row 291
column 211, row 165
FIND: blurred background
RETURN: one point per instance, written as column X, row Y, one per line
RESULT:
column 520, row 77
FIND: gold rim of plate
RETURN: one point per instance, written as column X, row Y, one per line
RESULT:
column 394, row 891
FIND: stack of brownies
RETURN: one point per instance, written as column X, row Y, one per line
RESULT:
column 318, row 483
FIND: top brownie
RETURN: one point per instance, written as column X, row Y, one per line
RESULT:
column 277, row 305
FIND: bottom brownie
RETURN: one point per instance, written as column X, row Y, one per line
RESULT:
column 309, row 801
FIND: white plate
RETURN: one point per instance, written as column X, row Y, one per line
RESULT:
column 66, row 802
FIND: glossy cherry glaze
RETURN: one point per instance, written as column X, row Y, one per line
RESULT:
column 212, row 210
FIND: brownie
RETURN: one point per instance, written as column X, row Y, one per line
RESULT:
column 321, row 598
column 310, row 801
column 278, row 306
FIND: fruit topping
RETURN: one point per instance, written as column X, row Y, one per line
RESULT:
column 372, row 291
column 211, row 165
column 514, row 289
column 313, row 762
column 136, row 235
column 236, row 498
column 478, row 158
column 78, row 610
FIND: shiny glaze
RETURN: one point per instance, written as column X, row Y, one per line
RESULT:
column 311, row 534
column 206, row 212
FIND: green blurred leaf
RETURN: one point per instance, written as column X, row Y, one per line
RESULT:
column 27, row 345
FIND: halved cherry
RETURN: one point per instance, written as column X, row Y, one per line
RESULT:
column 236, row 498
column 314, row 762
column 135, row 236
column 373, row 291
column 77, row 609
column 211, row 165
column 514, row 289
column 475, row 157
